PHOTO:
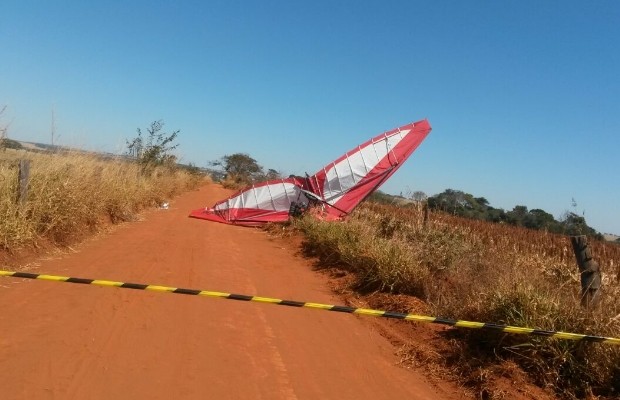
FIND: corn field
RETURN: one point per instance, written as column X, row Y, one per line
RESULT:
column 486, row 272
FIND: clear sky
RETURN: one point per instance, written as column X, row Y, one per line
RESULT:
column 523, row 96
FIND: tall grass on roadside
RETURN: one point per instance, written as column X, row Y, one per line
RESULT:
column 71, row 194
column 485, row 272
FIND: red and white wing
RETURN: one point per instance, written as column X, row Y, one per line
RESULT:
column 345, row 182
column 268, row 201
column 341, row 185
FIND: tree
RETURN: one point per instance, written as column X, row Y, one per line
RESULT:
column 495, row 215
column 482, row 201
column 459, row 203
column 574, row 224
column 517, row 215
column 155, row 149
column 240, row 168
column 419, row 196
column 272, row 174
column 540, row 219
column 451, row 201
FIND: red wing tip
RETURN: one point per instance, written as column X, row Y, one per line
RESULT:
column 207, row 214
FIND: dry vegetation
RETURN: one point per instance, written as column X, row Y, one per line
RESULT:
column 73, row 194
column 463, row 269
column 478, row 271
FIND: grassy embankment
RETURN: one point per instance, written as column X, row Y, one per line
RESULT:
column 477, row 271
column 71, row 195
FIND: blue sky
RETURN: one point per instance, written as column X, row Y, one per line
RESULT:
column 523, row 96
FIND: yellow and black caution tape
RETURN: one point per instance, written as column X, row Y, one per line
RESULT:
column 327, row 307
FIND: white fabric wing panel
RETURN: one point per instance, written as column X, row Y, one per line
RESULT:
column 274, row 196
column 345, row 174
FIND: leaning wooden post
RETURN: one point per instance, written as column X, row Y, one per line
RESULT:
column 24, row 179
column 590, row 272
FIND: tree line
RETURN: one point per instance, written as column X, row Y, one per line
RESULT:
column 468, row 206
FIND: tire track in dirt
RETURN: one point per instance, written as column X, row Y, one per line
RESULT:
column 62, row 341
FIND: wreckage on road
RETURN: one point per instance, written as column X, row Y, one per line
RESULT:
column 332, row 193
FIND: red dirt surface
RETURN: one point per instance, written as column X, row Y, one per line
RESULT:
column 67, row 341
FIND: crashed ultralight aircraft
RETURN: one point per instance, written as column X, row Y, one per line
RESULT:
column 333, row 192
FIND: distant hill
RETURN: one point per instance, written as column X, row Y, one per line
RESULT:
column 48, row 148
column 381, row 197
column 611, row 237
column 44, row 147
column 39, row 146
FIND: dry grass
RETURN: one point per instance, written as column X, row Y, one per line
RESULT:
column 72, row 194
column 478, row 271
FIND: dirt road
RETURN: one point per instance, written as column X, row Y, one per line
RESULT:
column 66, row 341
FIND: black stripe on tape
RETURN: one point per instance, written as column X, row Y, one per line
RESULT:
column 138, row 286
column 80, row 280
column 397, row 315
column 494, row 327
column 292, row 303
column 187, row 291
column 25, row 275
column 240, row 297
column 343, row 309
column 445, row 321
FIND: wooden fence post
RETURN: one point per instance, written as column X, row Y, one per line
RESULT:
column 24, row 180
column 590, row 272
